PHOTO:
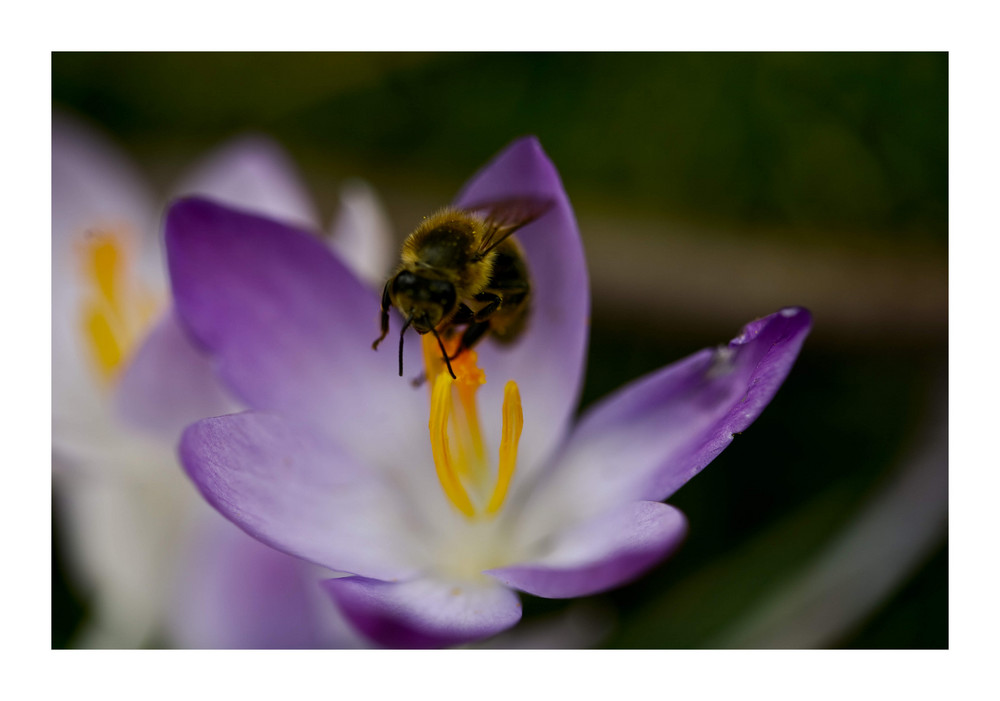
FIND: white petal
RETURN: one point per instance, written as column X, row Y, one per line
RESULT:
column 122, row 538
column 362, row 235
column 255, row 174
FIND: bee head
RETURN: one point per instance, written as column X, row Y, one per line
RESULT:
column 426, row 300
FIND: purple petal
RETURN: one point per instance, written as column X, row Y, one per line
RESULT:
column 252, row 172
column 291, row 488
column 170, row 383
column 237, row 593
column 601, row 553
column 548, row 361
column 424, row 613
column 291, row 328
column 652, row 436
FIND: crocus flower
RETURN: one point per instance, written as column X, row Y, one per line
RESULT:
column 142, row 546
column 443, row 501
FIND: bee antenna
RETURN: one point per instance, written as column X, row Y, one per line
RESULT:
column 444, row 353
column 402, row 331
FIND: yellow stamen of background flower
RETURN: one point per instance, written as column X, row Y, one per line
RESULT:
column 116, row 309
column 456, row 435
column 103, row 340
column 105, row 259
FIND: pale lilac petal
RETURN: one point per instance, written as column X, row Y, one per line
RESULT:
column 424, row 613
column 293, row 489
column 254, row 173
column 122, row 534
column 234, row 592
column 652, row 436
column 362, row 235
column 604, row 552
column 93, row 185
column 290, row 327
column 170, row 383
column 547, row 362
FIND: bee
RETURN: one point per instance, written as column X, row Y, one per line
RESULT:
column 461, row 267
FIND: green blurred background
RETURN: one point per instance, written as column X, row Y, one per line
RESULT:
column 710, row 189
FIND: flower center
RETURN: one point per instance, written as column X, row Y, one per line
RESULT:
column 463, row 470
column 116, row 307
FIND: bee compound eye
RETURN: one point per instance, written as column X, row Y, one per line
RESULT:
column 404, row 282
column 443, row 293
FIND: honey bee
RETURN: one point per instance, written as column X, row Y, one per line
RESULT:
column 461, row 267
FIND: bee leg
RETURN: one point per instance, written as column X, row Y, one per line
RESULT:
column 493, row 303
column 386, row 303
column 444, row 354
column 463, row 315
column 473, row 332
column 402, row 332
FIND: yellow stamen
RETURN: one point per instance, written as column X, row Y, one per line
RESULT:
column 440, row 408
column 466, row 421
column 513, row 422
column 104, row 262
column 117, row 309
column 103, row 341
column 462, row 467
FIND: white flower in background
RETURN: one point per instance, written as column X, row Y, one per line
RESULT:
column 155, row 563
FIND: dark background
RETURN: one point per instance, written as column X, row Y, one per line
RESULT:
column 710, row 189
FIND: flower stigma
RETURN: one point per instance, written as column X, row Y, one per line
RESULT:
column 457, row 444
column 116, row 307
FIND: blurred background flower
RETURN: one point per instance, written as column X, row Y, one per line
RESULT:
column 157, row 567
column 709, row 189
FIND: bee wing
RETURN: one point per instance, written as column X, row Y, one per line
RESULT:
column 504, row 217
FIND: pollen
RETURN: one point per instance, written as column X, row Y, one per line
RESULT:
column 473, row 485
